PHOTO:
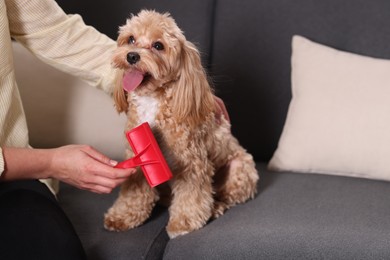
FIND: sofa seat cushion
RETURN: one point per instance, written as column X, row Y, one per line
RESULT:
column 297, row 216
column 86, row 211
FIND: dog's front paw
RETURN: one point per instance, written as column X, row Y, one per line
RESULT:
column 116, row 222
column 219, row 208
column 113, row 224
column 184, row 225
column 175, row 230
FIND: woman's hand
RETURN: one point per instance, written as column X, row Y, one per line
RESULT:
column 79, row 165
column 86, row 168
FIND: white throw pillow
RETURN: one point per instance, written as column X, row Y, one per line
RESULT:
column 338, row 120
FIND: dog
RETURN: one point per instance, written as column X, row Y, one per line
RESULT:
column 161, row 81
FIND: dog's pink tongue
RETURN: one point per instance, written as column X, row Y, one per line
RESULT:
column 132, row 79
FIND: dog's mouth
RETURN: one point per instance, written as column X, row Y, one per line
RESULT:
column 134, row 78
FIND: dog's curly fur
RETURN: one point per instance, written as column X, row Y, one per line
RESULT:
column 212, row 172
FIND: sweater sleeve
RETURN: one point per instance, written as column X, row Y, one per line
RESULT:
column 62, row 41
column 2, row 166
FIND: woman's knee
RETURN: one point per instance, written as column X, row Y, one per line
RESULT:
column 33, row 224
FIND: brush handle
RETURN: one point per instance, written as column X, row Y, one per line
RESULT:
column 135, row 161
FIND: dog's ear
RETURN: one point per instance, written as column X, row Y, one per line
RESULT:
column 119, row 94
column 192, row 98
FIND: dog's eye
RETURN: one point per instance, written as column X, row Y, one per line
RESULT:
column 158, row 46
column 131, row 40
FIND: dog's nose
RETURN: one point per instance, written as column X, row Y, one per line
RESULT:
column 133, row 57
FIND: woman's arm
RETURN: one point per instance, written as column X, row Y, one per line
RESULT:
column 63, row 41
column 78, row 165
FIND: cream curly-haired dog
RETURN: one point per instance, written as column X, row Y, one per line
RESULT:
column 162, row 81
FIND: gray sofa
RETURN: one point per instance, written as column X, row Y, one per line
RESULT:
column 246, row 48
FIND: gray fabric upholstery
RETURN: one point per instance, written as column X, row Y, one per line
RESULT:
column 252, row 48
column 297, row 216
column 294, row 216
column 193, row 17
column 86, row 211
column 246, row 46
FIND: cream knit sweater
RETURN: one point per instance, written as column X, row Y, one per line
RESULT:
column 62, row 41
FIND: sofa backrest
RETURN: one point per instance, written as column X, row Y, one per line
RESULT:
column 246, row 47
column 193, row 17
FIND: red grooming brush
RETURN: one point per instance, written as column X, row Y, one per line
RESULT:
column 147, row 155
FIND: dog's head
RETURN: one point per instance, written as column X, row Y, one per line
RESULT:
column 152, row 55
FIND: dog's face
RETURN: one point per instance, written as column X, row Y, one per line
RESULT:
column 152, row 55
column 149, row 50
